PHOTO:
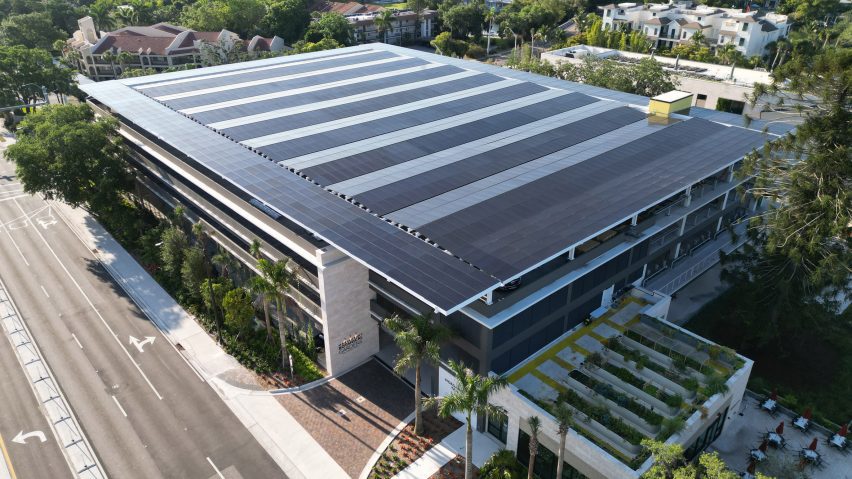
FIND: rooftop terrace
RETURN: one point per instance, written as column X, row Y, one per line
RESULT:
column 628, row 375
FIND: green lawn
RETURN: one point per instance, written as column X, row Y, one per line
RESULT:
column 812, row 369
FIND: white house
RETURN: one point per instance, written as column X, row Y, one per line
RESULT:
column 673, row 23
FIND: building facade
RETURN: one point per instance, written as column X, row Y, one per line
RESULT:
column 158, row 47
column 510, row 206
column 668, row 25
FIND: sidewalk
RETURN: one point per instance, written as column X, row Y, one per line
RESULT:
column 283, row 438
column 453, row 445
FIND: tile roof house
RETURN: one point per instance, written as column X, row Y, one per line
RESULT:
column 159, row 47
column 404, row 25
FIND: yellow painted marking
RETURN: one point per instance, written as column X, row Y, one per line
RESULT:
column 562, row 362
column 7, row 458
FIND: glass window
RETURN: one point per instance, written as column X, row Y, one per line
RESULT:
column 545, row 460
column 745, row 26
column 498, row 427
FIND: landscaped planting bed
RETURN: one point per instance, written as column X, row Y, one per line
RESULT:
column 407, row 447
column 624, row 374
column 687, row 382
column 609, row 392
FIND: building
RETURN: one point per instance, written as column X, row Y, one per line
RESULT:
column 405, row 25
column 159, row 47
column 670, row 24
column 509, row 205
column 720, row 87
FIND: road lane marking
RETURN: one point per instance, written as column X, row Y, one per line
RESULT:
column 119, row 406
column 17, row 248
column 139, row 303
column 215, row 468
column 76, row 340
column 140, row 345
column 21, row 438
column 8, row 460
column 13, row 197
column 92, row 305
column 44, row 291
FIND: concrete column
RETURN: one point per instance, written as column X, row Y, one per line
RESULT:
column 677, row 250
column 634, row 220
column 688, row 196
column 725, row 200
column 730, row 173
column 682, row 226
column 351, row 335
column 719, row 225
column 571, row 254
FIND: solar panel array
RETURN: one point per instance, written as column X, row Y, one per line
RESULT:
column 494, row 170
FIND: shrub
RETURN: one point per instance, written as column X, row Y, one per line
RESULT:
column 302, row 364
column 475, row 51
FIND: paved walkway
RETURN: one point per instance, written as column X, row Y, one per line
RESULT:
column 352, row 415
column 434, row 459
column 289, row 444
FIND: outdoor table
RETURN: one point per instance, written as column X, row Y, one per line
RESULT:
column 775, row 439
column 838, row 441
column 770, row 405
column 758, row 455
column 802, row 423
column 810, row 455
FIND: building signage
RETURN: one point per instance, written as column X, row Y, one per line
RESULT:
column 350, row 343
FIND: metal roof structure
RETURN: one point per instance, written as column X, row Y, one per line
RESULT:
column 447, row 177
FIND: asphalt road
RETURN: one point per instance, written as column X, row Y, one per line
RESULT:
column 145, row 411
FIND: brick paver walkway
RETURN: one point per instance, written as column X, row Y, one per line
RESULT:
column 351, row 415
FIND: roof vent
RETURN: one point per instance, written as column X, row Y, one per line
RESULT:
column 662, row 107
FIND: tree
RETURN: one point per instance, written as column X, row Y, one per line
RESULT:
column 219, row 287
column 501, row 465
column 464, row 20
column 192, row 271
column 647, row 78
column 101, row 13
column 172, row 250
column 254, row 249
column 564, row 419
column 225, row 262
column 31, row 30
column 64, row 153
column 261, row 287
column 534, row 424
column 331, row 25
column 277, row 274
column 805, row 237
column 419, row 339
column 446, row 45
column 469, row 396
column 239, row 311
column 23, row 71
column 289, row 19
column 669, row 463
column 383, row 22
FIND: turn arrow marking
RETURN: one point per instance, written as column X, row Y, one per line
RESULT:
column 21, row 438
column 140, row 345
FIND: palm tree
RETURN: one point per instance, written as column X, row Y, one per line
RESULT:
column 383, row 22
column 109, row 57
column 489, row 17
column 254, row 248
column 281, row 279
column 225, row 262
column 420, row 339
column 263, row 288
column 469, row 396
column 201, row 238
column 564, row 415
column 535, row 427
column 124, row 59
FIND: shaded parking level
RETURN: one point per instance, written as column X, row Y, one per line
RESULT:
column 351, row 415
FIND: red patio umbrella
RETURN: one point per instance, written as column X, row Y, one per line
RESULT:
column 813, row 445
column 807, row 414
column 774, row 395
column 843, row 430
column 780, row 429
column 751, row 468
column 763, row 445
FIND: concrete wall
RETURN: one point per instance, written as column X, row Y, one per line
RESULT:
column 351, row 335
column 715, row 90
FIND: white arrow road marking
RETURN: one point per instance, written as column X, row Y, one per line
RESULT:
column 21, row 438
column 141, row 344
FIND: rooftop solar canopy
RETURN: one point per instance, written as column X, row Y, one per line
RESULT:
column 496, row 170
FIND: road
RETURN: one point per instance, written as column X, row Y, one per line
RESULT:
column 146, row 413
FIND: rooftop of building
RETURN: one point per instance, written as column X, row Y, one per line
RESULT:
column 710, row 71
column 447, row 177
column 627, row 375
